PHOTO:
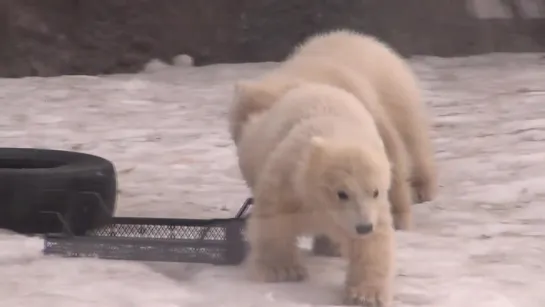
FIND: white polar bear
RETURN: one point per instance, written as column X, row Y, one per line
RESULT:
column 316, row 164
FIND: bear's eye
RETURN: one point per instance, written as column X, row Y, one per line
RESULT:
column 375, row 193
column 342, row 195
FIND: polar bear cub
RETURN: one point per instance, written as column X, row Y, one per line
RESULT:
column 398, row 90
column 316, row 164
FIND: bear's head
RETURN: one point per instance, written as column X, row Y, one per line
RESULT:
column 347, row 184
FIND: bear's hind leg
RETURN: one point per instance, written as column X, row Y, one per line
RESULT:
column 414, row 127
column 272, row 234
column 400, row 192
column 424, row 171
column 371, row 268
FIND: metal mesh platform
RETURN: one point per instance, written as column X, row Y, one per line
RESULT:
column 215, row 241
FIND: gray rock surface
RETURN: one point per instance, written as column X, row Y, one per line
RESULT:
column 55, row 37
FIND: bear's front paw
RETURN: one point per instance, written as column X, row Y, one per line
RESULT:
column 366, row 296
column 280, row 272
column 423, row 190
column 402, row 220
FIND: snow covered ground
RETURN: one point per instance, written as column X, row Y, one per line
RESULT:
column 480, row 244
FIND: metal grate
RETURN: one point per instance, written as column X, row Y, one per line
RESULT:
column 216, row 241
column 159, row 231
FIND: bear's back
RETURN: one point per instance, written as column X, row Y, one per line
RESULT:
column 383, row 67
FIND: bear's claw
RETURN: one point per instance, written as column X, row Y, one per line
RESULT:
column 281, row 273
column 402, row 221
column 365, row 297
column 423, row 190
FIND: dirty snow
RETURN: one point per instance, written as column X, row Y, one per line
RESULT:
column 481, row 243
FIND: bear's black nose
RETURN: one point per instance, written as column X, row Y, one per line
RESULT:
column 363, row 229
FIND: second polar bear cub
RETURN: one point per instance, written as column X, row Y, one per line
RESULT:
column 320, row 167
column 358, row 64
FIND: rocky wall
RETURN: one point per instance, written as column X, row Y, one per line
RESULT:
column 54, row 37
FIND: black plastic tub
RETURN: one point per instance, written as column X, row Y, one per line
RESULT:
column 213, row 241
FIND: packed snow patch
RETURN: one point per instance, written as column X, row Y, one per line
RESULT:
column 480, row 243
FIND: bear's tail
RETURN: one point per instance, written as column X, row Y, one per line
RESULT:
column 250, row 100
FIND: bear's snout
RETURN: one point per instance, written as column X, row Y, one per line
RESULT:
column 364, row 229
